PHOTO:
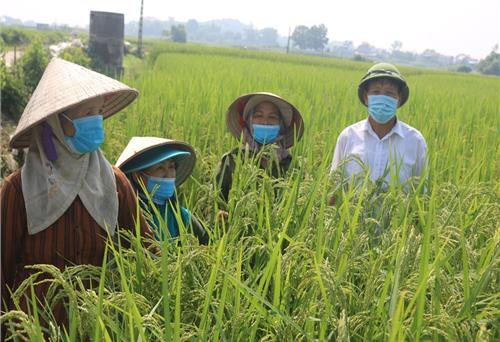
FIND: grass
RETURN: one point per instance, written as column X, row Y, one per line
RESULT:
column 382, row 264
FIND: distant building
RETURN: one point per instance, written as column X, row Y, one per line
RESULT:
column 42, row 27
column 464, row 59
column 106, row 41
column 433, row 58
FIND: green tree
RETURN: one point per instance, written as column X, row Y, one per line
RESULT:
column 464, row 68
column 178, row 33
column 13, row 93
column 33, row 64
column 317, row 37
column 491, row 64
column 300, row 36
column 268, row 36
column 15, row 38
column 310, row 38
column 76, row 55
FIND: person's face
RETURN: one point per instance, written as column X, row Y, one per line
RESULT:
column 165, row 169
column 382, row 87
column 266, row 113
column 88, row 108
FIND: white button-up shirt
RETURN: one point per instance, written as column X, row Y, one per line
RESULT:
column 403, row 147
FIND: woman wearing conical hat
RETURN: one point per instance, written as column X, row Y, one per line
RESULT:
column 59, row 208
column 262, row 119
column 155, row 168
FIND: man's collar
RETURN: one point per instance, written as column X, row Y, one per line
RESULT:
column 397, row 129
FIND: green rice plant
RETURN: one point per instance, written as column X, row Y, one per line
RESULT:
column 383, row 263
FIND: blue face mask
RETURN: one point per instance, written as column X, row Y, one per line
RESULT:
column 161, row 188
column 382, row 108
column 265, row 134
column 89, row 134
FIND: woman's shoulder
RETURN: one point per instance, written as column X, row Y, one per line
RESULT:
column 13, row 181
column 122, row 182
column 119, row 174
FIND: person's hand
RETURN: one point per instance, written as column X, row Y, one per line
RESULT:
column 331, row 200
column 222, row 215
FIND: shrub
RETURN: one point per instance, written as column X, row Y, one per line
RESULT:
column 76, row 55
column 491, row 64
column 13, row 97
column 464, row 68
column 33, row 64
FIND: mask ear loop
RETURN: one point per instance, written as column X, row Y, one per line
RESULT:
column 48, row 144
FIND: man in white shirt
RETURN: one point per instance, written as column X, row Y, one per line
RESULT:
column 382, row 139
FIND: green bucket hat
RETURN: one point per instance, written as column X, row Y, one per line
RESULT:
column 384, row 70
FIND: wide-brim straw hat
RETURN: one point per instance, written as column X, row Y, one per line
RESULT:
column 143, row 152
column 240, row 108
column 64, row 85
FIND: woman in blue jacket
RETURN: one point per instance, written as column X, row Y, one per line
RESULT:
column 156, row 167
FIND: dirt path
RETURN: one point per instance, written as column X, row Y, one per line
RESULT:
column 8, row 57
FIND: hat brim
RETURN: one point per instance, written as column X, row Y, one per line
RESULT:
column 235, row 116
column 405, row 91
column 153, row 157
column 284, row 107
column 65, row 85
column 184, row 154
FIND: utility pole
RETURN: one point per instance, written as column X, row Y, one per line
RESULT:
column 288, row 43
column 139, row 47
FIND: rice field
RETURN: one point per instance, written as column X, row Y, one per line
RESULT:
column 379, row 265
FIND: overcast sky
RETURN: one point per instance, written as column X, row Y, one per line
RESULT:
column 447, row 26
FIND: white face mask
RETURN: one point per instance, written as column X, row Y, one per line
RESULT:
column 382, row 108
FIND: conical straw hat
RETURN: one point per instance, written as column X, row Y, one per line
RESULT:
column 64, row 85
column 139, row 146
column 235, row 119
